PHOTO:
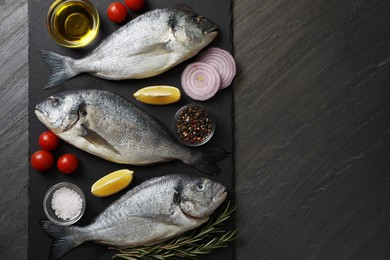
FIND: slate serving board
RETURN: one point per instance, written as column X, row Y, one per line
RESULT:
column 92, row 168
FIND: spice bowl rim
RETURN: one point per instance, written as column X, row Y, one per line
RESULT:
column 50, row 214
column 209, row 115
column 55, row 35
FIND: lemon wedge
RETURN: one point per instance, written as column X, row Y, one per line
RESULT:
column 158, row 95
column 112, row 183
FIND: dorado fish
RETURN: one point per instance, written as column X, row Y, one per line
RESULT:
column 154, row 211
column 146, row 46
column 108, row 126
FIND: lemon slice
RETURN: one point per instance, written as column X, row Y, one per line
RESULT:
column 112, row 183
column 158, row 95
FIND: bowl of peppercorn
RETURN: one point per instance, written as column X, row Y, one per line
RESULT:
column 194, row 125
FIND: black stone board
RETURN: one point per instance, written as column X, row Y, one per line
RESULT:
column 92, row 168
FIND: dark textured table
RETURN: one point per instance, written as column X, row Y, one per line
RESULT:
column 312, row 129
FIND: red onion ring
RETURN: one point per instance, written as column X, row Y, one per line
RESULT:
column 222, row 61
column 200, row 81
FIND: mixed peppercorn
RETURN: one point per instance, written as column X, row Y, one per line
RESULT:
column 194, row 125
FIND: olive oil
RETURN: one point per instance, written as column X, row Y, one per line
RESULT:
column 73, row 23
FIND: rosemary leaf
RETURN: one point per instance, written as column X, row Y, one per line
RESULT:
column 202, row 240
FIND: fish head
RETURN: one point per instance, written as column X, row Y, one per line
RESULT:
column 201, row 197
column 59, row 112
column 192, row 30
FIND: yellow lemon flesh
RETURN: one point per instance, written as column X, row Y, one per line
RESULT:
column 158, row 95
column 112, row 183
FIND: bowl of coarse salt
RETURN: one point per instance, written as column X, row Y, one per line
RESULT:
column 64, row 203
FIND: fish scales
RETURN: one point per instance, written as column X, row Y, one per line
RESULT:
column 131, row 211
column 111, row 127
column 154, row 211
column 145, row 47
column 121, row 51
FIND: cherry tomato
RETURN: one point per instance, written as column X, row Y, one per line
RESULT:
column 117, row 12
column 135, row 5
column 48, row 141
column 42, row 160
column 67, row 163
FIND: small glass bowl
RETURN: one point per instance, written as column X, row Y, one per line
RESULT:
column 73, row 23
column 197, row 125
column 50, row 213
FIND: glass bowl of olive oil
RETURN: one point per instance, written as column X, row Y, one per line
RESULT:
column 73, row 23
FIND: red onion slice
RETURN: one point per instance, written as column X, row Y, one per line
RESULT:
column 222, row 61
column 200, row 81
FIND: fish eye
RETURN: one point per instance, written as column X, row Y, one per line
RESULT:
column 200, row 187
column 54, row 101
column 196, row 19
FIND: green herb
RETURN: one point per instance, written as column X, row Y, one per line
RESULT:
column 202, row 240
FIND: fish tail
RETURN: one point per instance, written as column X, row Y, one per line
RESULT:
column 205, row 160
column 61, row 68
column 63, row 237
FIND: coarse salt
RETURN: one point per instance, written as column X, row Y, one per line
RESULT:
column 66, row 203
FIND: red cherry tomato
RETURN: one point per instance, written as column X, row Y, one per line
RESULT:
column 48, row 141
column 67, row 163
column 42, row 160
column 117, row 12
column 135, row 5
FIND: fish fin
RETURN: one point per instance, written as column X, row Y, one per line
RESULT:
column 159, row 48
column 183, row 7
column 63, row 239
column 153, row 219
column 205, row 160
column 96, row 139
column 60, row 66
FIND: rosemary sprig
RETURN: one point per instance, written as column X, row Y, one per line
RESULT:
column 202, row 240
